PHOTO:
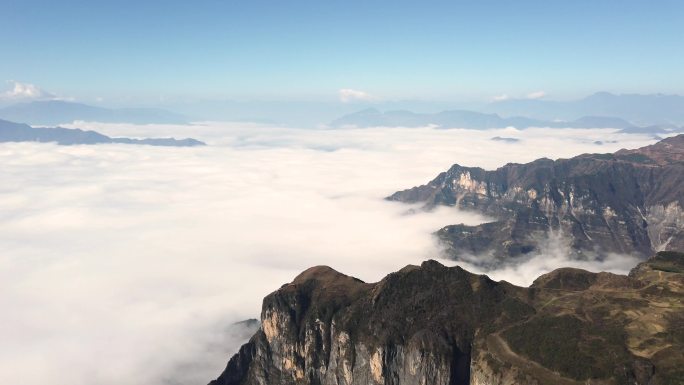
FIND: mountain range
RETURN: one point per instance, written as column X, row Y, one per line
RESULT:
column 628, row 202
column 438, row 325
column 641, row 110
column 644, row 113
column 18, row 132
column 54, row 112
column 466, row 119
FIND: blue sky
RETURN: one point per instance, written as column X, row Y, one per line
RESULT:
column 309, row 50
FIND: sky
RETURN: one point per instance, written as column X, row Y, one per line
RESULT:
column 129, row 265
column 148, row 52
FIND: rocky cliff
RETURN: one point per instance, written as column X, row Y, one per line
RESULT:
column 437, row 325
column 629, row 202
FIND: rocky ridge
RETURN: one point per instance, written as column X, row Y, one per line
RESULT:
column 629, row 202
column 438, row 325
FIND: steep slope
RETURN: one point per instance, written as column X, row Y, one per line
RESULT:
column 444, row 326
column 16, row 132
column 629, row 202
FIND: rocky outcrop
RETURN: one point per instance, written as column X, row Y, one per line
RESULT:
column 436, row 325
column 629, row 202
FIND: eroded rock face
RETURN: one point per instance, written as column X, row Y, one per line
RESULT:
column 444, row 326
column 630, row 202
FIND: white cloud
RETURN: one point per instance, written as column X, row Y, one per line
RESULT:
column 139, row 257
column 25, row 91
column 536, row 95
column 348, row 95
column 501, row 97
column 553, row 253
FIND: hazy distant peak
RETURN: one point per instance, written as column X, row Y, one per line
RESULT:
column 469, row 120
column 601, row 94
column 369, row 110
column 639, row 109
column 54, row 112
column 19, row 132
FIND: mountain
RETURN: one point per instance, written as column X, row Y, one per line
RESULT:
column 54, row 112
column 633, row 112
column 465, row 119
column 505, row 140
column 436, row 325
column 654, row 129
column 446, row 119
column 17, row 132
column 629, row 202
column 640, row 109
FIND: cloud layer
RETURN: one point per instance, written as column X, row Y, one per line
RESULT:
column 121, row 263
column 536, row 95
column 348, row 95
column 25, row 91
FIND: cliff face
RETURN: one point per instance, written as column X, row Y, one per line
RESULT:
column 629, row 202
column 437, row 325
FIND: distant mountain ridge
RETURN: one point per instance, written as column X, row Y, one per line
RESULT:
column 17, row 132
column 638, row 113
column 479, row 121
column 632, row 112
column 54, row 112
column 629, row 202
column 642, row 110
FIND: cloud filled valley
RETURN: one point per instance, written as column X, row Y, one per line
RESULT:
column 121, row 263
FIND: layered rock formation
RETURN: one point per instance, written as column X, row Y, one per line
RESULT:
column 629, row 202
column 435, row 325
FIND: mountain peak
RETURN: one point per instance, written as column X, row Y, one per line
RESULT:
column 324, row 275
column 601, row 94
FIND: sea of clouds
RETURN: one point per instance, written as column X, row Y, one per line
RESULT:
column 127, row 264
